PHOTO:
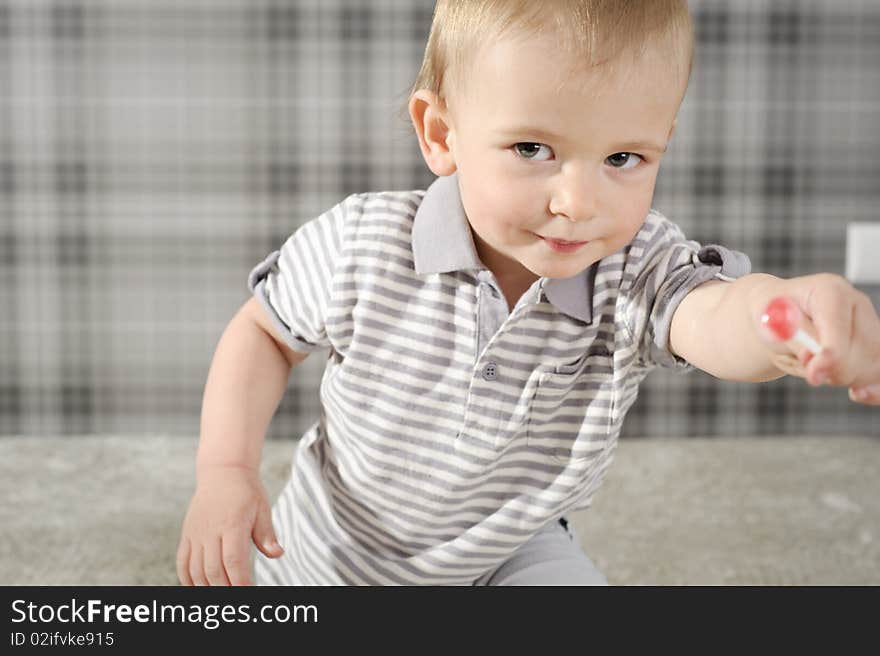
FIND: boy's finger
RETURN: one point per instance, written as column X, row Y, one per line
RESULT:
column 798, row 356
column 236, row 553
column 857, row 363
column 805, row 356
column 196, row 566
column 869, row 395
column 264, row 533
column 214, row 564
column 831, row 312
column 865, row 386
column 183, row 551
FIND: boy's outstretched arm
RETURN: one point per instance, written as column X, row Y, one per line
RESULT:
column 717, row 329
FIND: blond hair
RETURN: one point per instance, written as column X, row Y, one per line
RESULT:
column 594, row 32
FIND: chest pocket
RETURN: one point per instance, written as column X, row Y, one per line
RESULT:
column 571, row 412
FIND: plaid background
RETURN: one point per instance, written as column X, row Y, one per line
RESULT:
column 153, row 151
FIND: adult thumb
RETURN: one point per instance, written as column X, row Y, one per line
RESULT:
column 264, row 533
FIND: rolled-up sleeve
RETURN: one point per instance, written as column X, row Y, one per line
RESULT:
column 662, row 266
column 294, row 284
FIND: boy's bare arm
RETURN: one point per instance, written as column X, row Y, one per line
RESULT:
column 230, row 506
column 246, row 381
column 713, row 329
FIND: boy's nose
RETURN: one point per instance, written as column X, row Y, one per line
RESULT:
column 574, row 199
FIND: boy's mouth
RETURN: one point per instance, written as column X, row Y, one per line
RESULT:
column 562, row 245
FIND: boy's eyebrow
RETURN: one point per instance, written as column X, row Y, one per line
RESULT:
column 537, row 132
column 552, row 136
column 640, row 145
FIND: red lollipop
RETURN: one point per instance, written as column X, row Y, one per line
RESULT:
column 782, row 319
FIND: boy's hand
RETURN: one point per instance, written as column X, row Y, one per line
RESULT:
column 844, row 322
column 229, row 508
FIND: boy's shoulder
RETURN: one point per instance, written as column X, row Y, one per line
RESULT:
column 376, row 226
column 656, row 234
column 388, row 208
column 662, row 244
column 656, row 225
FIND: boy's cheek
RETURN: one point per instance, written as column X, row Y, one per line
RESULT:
column 504, row 201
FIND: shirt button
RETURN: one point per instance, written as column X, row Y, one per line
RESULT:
column 490, row 371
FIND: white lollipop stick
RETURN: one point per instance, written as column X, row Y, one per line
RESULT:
column 807, row 342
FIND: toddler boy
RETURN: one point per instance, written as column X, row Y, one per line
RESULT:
column 487, row 336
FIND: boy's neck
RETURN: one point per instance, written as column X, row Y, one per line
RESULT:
column 513, row 278
column 513, row 291
column 501, row 265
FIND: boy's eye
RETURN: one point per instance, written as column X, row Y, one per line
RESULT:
column 530, row 150
column 624, row 161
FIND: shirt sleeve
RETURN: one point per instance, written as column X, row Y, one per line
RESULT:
column 294, row 284
column 660, row 269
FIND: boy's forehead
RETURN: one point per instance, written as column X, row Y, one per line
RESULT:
column 526, row 78
column 533, row 63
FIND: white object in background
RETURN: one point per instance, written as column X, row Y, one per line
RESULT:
column 863, row 253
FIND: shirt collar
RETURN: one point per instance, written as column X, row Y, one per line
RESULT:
column 441, row 235
column 442, row 242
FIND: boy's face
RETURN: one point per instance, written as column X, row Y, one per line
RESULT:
column 543, row 157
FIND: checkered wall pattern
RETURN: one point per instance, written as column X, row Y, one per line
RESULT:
column 153, row 151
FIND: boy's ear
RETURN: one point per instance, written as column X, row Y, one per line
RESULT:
column 430, row 119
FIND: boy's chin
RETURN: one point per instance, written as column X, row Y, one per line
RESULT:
column 558, row 269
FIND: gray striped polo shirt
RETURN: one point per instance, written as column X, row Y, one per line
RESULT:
column 452, row 430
